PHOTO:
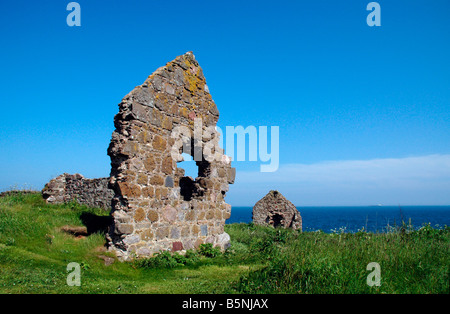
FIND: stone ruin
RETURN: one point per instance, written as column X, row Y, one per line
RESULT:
column 275, row 210
column 91, row 192
column 154, row 206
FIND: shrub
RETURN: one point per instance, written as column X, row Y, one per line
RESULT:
column 162, row 259
column 166, row 259
column 208, row 250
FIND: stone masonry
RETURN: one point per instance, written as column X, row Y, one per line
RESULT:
column 90, row 192
column 155, row 206
column 275, row 210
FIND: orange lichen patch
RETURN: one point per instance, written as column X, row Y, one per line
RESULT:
column 159, row 143
column 194, row 82
column 146, row 235
column 184, row 112
column 139, row 215
column 144, row 137
column 148, row 191
column 129, row 189
column 156, row 180
column 152, row 215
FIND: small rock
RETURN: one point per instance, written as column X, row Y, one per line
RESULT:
column 108, row 260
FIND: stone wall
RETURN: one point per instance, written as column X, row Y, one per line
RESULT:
column 155, row 206
column 277, row 211
column 17, row 192
column 90, row 192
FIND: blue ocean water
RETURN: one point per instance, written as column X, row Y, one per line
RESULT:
column 354, row 218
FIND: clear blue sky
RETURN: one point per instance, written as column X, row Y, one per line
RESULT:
column 363, row 111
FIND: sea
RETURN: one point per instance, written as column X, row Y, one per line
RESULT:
column 331, row 219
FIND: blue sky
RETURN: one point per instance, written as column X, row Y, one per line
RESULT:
column 370, row 103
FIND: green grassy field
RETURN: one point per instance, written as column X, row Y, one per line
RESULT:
column 34, row 254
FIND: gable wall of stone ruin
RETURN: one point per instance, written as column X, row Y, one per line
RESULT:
column 155, row 206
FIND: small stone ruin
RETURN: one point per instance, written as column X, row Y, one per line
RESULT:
column 275, row 210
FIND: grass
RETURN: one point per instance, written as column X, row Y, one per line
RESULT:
column 34, row 254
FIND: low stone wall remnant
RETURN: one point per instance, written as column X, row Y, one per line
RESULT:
column 91, row 192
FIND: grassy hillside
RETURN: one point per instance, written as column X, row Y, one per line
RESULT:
column 35, row 251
